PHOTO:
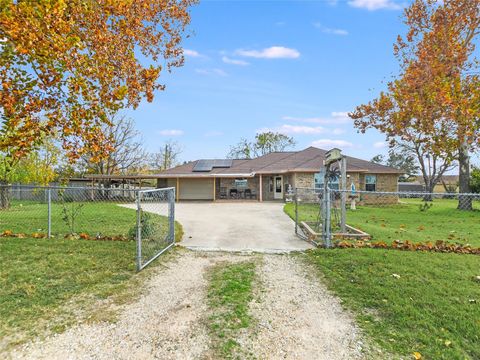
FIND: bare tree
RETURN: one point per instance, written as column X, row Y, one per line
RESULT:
column 128, row 155
column 432, row 166
column 167, row 157
column 265, row 143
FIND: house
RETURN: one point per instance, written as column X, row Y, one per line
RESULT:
column 270, row 176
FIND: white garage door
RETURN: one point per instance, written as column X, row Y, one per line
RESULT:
column 196, row 189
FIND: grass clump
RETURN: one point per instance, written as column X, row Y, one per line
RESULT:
column 229, row 295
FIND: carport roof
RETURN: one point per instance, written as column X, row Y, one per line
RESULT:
column 307, row 160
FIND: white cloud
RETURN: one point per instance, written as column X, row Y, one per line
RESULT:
column 336, row 118
column 274, row 52
column 372, row 5
column 338, row 131
column 380, row 145
column 218, row 72
column 192, row 53
column 293, row 129
column 227, row 60
column 328, row 30
column 331, row 143
column 171, row 132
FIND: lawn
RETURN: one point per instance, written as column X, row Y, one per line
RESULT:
column 38, row 276
column 94, row 218
column 229, row 295
column 409, row 301
column 405, row 221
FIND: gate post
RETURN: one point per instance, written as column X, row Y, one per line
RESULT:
column 139, row 232
column 171, row 215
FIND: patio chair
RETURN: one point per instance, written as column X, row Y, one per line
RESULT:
column 248, row 193
column 223, row 193
column 233, row 193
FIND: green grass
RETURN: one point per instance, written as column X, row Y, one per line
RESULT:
column 432, row 308
column 405, row 221
column 229, row 293
column 39, row 276
column 106, row 219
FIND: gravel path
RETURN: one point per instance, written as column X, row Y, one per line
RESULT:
column 297, row 318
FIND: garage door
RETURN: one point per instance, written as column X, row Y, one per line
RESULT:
column 196, row 189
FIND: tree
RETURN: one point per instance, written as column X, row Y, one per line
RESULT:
column 243, row 150
column 167, row 157
column 432, row 105
column 66, row 65
column 475, row 179
column 400, row 159
column 127, row 155
column 38, row 167
column 265, row 143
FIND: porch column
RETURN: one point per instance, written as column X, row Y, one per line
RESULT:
column 260, row 191
column 214, row 188
column 177, row 193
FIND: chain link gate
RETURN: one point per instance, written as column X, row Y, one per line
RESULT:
column 155, row 230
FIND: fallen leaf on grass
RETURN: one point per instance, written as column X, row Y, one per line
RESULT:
column 396, row 276
column 448, row 343
column 417, row 355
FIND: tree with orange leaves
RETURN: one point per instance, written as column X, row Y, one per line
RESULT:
column 433, row 104
column 66, row 65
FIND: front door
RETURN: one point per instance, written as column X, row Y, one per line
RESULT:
column 278, row 187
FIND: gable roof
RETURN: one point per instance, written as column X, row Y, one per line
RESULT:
column 307, row 160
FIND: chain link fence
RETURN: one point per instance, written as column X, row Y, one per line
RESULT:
column 328, row 217
column 88, row 213
column 155, row 224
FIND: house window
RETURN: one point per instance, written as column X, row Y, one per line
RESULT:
column 370, row 182
column 270, row 184
column 319, row 180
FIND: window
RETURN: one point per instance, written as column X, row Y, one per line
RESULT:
column 370, row 182
column 319, row 179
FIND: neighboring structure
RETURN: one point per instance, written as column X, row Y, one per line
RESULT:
column 269, row 177
column 447, row 183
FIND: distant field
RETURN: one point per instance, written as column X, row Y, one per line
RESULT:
column 405, row 221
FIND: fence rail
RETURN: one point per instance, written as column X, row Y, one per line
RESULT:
column 144, row 216
column 329, row 216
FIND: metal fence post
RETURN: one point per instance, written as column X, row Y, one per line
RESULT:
column 49, row 199
column 171, row 214
column 139, row 231
column 328, row 219
column 296, row 211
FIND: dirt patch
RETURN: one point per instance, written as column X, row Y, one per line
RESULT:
column 294, row 317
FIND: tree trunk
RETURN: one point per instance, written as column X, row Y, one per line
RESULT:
column 429, row 186
column 464, row 202
column 4, row 196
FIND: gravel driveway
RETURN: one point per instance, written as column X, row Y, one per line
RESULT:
column 297, row 318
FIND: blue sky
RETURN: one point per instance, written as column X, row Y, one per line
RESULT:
column 291, row 66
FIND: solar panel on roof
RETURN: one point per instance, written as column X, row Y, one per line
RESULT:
column 223, row 163
column 208, row 165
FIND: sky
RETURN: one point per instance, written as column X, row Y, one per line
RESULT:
column 297, row 67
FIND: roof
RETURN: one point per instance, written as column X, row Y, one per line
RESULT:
column 307, row 160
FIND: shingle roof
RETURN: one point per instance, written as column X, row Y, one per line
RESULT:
column 307, row 160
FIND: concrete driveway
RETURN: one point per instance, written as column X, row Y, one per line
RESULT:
column 242, row 226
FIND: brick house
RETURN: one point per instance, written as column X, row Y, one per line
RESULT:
column 269, row 177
